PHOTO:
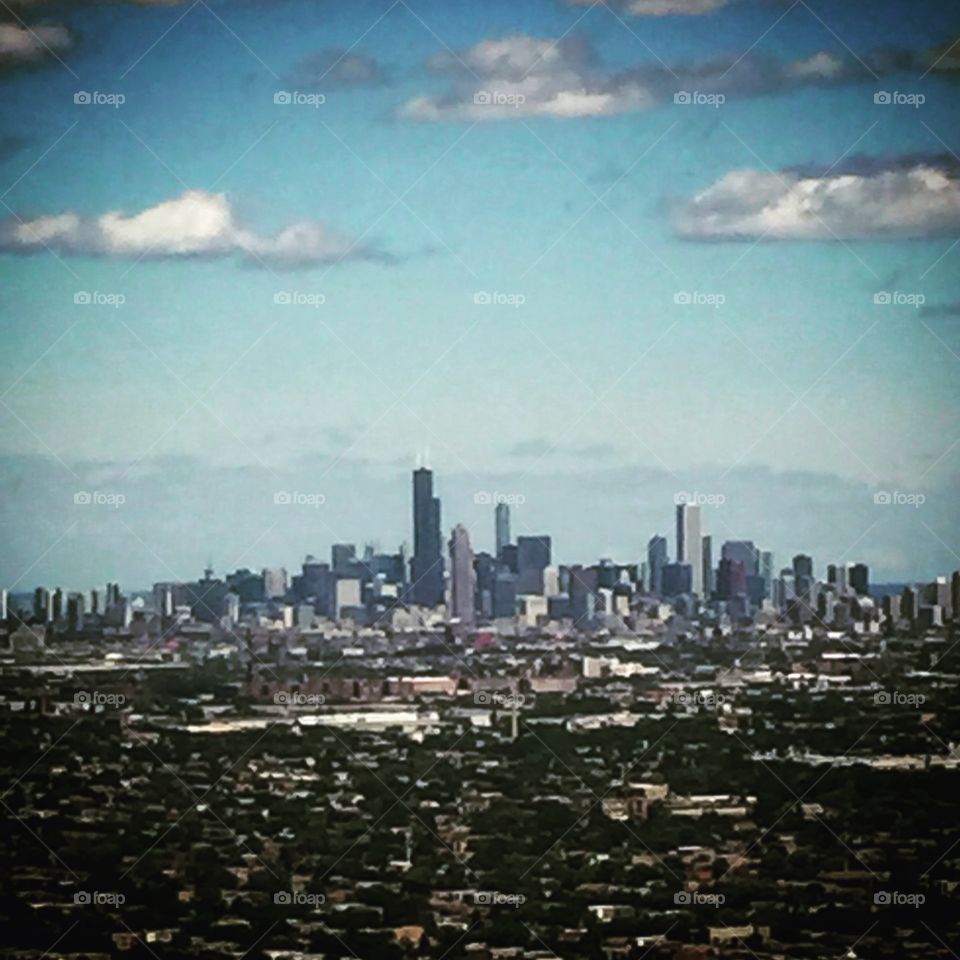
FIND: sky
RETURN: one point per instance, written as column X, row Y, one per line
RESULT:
column 594, row 257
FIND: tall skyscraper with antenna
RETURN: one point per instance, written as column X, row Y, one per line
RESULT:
column 426, row 588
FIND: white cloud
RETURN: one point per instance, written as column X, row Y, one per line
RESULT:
column 22, row 45
column 922, row 199
column 519, row 76
column 193, row 224
column 660, row 8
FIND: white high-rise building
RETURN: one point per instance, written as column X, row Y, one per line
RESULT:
column 689, row 543
column 274, row 582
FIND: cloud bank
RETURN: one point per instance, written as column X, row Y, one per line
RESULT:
column 659, row 8
column 195, row 224
column 519, row 76
column 865, row 201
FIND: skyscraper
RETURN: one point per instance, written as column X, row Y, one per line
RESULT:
column 689, row 549
column 505, row 595
column 731, row 579
column 533, row 557
column 656, row 561
column 274, row 582
column 342, row 558
column 677, row 579
column 462, row 577
column 427, row 572
column 803, row 576
column 746, row 552
column 858, row 576
column 766, row 571
column 502, row 524
column 706, row 554
column 485, row 569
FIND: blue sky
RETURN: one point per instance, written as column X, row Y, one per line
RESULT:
column 584, row 203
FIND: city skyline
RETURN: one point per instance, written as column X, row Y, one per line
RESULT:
column 560, row 247
column 430, row 578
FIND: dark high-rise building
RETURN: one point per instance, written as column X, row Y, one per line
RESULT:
column 57, row 605
column 508, row 557
column 343, row 558
column 731, row 579
column 505, row 595
column 656, row 561
column 247, row 585
column 745, row 552
column 427, row 568
column 757, row 589
column 462, row 577
column 831, row 573
column 803, row 576
column 485, row 569
column 533, row 557
column 206, row 598
column 677, row 579
column 608, row 574
column 75, row 611
column 316, row 585
column 502, row 527
column 390, row 566
column 41, row 601
column 858, row 578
